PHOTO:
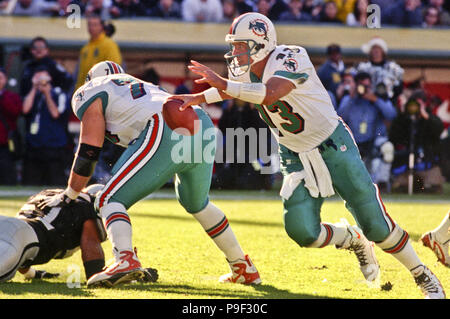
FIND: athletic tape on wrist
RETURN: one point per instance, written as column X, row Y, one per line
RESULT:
column 249, row 92
column 212, row 95
column 71, row 193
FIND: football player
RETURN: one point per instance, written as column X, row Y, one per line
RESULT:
column 128, row 111
column 438, row 240
column 318, row 154
column 37, row 236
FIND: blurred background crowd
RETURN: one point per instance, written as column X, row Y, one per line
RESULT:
column 405, row 13
column 400, row 128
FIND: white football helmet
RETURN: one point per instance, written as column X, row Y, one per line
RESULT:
column 102, row 69
column 258, row 32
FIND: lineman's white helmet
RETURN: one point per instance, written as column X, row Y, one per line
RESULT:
column 258, row 32
column 102, row 69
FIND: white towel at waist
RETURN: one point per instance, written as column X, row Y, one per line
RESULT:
column 315, row 173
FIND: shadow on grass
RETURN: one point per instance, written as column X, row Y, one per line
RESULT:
column 43, row 288
column 188, row 291
column 188, row 218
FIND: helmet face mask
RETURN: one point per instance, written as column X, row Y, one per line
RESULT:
column 236, row 63
column 258, row 32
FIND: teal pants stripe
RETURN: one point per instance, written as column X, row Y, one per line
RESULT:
column 151, row 161
column 351, row 181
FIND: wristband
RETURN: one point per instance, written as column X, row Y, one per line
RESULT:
column 71, row 193
column 212, row 95
column 248, row 92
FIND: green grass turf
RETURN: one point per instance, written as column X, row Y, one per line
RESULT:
column 189, row 263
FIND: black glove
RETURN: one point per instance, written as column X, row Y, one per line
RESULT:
column 40, row 274
column 150, row 275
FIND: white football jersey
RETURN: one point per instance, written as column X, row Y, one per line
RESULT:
column 128, row 104
column 305, row 117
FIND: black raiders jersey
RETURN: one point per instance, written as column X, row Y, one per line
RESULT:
column 58, row 228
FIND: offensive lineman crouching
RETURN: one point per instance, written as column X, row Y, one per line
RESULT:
column 35, row 236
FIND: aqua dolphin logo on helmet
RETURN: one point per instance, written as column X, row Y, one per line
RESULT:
column 258, row 32
column 103, row 68
column 259, row 27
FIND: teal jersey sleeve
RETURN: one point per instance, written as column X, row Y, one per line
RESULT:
column 291, row 63
column 85, row 96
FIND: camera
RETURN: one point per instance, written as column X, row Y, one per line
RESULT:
column 361, row 89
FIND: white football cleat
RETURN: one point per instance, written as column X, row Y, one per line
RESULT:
column 429, row 284
column 440, row 249
column 126, row 269
column 243, row 271
column 364, row 251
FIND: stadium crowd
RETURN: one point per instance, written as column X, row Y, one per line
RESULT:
column 390, row 119
column 405, row 13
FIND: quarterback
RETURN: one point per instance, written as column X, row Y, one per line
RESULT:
column 317, row 152
column 128, row 112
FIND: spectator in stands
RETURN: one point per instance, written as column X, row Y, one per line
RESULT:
column 366, row 114
column 99, row 8
column 61, row 9
column 358, row 18
column 34, row 8
column 46, row 110
column 330, row 72
column 10, row 109
column 244, row 6
column 264, row 6
column 82, row 4
column 240, row 168
column 418, row 131
column 442, row 110
column 329, row 13
column 277, row 7
column 166, row 9
column 347, row 85
column 230, row 10
column 127, row 9
column 431, row 18
column 387, row 76
column 444, row 15
column 344, row 8
column 313, row 8
column 99, row 48
column 40, row 56
column 405, row 13
column 202, row 10
column 295, row 13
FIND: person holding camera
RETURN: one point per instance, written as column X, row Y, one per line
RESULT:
column 46, row 114
column 40, row 57
column 10, row 107
column 415, row 134
column 366, row 114
column 387, row 75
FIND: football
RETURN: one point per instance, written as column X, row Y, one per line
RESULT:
column 183, row 122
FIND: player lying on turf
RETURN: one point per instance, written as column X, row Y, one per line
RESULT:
column 317, row 151
column 129, row 112
column 438, row 240
column 36, row 236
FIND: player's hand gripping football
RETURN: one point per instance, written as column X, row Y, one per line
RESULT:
column 207, row 76
column 188, row 99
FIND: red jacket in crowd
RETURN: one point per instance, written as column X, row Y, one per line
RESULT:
column 10, row 109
